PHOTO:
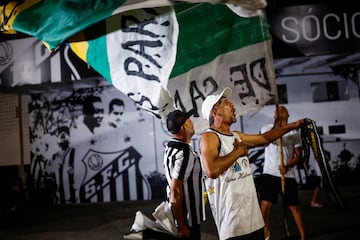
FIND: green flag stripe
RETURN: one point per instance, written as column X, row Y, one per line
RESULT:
column 205, row 38
column 47, row 20
column 97, row 55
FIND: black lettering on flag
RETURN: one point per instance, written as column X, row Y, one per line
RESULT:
column 178, row 101
column 258, row 78
column 139, row 70
column 146, row 41
column 210, row 81
column 194, row 89
column 195, row 94
column 131, row 46
column 262, row 74
column 145, row 103
column 247, row 89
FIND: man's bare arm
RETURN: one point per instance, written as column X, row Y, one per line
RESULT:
column 276, row 133
column 292, row 162
column 177, row 195
column 254, row 140
column 214, row 164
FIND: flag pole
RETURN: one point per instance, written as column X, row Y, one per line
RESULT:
column 277, row 103
column 286, row 224
column 281, row 158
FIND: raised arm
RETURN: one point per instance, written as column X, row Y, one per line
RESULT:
column 276, row 133
column 213, row 164
column 254, row 140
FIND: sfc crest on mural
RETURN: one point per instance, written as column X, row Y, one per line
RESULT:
column 109, row 175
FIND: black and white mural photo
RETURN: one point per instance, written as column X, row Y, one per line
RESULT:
column 90, row 145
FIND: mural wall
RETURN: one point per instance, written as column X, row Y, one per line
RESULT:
column 94, row 145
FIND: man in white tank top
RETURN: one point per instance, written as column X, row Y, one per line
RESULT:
column 229, row 184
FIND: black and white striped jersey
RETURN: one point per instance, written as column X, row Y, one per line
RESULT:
column 182, row 162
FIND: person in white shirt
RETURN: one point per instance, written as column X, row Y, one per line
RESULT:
column 270, row 185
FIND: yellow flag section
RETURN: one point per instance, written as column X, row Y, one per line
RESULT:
column 10, row 10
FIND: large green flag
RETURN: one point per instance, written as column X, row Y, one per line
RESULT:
column 162, row 59
column 173, row 57
column 54, row 21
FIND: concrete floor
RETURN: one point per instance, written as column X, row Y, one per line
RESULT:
column 108, row 221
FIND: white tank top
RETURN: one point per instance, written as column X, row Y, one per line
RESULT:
column 232, row 196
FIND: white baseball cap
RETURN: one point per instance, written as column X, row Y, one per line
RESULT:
column 211, row 100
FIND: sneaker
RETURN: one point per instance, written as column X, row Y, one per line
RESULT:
column 316, row 205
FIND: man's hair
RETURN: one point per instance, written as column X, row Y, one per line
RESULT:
column 64, row 129
column 176, row 119
column 88, row 107
column 115, row 101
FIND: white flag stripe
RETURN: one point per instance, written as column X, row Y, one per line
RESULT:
column 148, row 58
column 219, row 71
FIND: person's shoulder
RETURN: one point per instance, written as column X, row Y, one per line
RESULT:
column 209, row 132
column 210, row 137
column 177, row 144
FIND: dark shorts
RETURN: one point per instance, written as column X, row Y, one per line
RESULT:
column 257, row 235
column 313, row 181
column 269, row 188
